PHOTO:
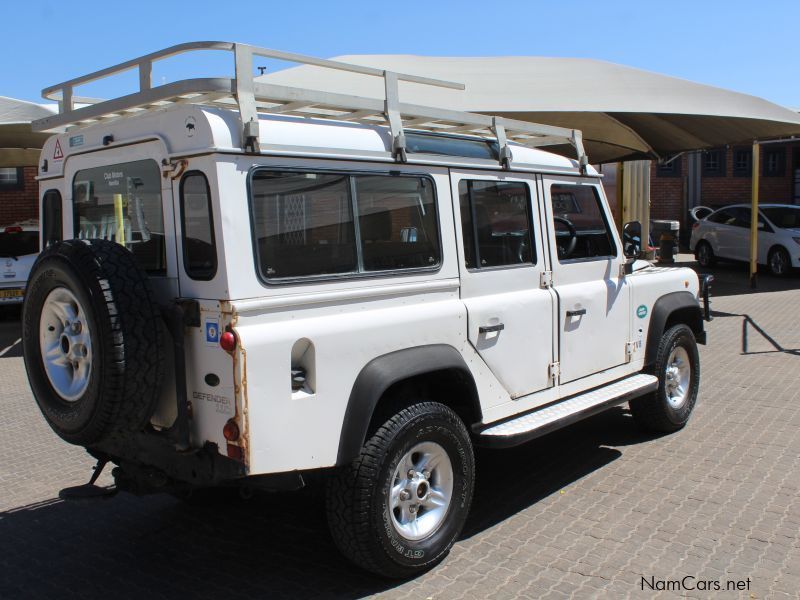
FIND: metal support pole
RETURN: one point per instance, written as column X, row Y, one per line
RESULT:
column 754, row 217
column 620, row 196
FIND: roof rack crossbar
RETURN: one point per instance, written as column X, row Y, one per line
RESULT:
column 253, row 97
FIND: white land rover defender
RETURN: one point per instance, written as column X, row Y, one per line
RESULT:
column 248, row 283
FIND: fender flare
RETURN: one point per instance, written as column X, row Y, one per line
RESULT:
column 379, row 374
column 665, row 306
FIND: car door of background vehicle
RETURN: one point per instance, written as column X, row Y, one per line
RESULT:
column 510, row 316
column 739, row 235
column 593, row 300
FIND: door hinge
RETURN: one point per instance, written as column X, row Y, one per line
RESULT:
column 554, row 370
column 630, row 347
column 546, row 279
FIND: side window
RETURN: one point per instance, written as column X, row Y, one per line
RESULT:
column 122, row 203
column 397, row 222
column 321, row 224
column 197, row 225
column 725, row 217
column 51, row 218
column 496, row 223
column 580, row 223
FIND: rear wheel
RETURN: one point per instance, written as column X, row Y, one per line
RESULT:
column 704, row 254
column 400, row 506
column 779, row 262
column 678, row 370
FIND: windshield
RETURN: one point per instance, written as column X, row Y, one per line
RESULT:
column 18, row 243
column 785, row 217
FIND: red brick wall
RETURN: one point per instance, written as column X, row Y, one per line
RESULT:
column 21, row 204
column 666, row 193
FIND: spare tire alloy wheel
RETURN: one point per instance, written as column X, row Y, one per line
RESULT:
column 400, row 506
column 92, row 340
column 66, row 344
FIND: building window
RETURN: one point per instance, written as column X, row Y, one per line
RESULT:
column 11, row 178
column 714, row 162
column 742, row 162
column 669, row 167
column 774, row 162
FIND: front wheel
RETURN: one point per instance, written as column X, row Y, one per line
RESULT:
column 678, row 370
column 399, row 507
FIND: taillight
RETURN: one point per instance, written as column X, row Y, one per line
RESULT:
column 696, row 224
column 13, row 229
column 231, row 431
column 227, row 341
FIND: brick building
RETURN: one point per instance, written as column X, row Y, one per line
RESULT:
column 723, row 176
column 19, row 191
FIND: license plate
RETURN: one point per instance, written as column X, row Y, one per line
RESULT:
column 10, row 293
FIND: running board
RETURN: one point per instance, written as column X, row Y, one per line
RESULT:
column 565, row 412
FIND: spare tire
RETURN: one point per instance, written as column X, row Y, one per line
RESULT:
column 92, row 340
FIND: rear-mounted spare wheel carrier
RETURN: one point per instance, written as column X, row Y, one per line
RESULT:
column 92, row 340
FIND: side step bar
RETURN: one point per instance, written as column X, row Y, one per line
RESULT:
column 565, row 412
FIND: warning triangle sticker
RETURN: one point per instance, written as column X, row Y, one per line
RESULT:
column 58, row 154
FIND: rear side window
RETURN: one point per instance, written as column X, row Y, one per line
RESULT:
column 578, row 211
column 321, row 224
column 122, row 203
column 726, row 217
column 496, row 223
column 51, row 218
column 197, row 225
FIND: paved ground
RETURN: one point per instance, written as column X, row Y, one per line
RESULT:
column 586, row 512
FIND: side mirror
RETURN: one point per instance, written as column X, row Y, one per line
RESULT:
column 632, row 239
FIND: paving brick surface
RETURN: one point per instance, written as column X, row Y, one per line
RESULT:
column 587, row 512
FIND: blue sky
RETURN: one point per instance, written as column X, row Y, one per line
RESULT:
column 747, row 46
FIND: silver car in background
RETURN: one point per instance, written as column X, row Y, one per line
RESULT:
column 725, row 233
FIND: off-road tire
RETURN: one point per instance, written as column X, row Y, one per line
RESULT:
column 707, row 260
column 126, row 336
column 653, row 412
column 357, row 497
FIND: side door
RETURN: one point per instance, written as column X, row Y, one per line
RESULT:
column 510, row 315
column 594, row 312
column 119, row 194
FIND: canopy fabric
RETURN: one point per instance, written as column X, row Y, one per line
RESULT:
column 15, row 127
column 624, row 113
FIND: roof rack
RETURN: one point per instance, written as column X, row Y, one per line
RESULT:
column 252, row 97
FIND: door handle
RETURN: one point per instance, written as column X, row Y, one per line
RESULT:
column 576, row 313
column 491, row 328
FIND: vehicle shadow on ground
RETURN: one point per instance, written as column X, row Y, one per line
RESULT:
column 276, row 545
column 733, row 279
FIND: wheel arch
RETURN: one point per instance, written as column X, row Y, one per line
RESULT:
column 669, row 310
column 433, row 367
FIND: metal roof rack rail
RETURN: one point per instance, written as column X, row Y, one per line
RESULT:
column 252, row 97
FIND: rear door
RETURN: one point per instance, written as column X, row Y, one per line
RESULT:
column 593, row 300
column 119, row 194
column 510, row 316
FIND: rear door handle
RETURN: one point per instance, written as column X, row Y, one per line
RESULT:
column 576, row 313
column 491, row 328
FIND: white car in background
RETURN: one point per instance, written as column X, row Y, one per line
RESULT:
column 725, row 233
column 19, row 247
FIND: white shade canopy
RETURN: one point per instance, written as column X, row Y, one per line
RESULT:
column 19, row 145
column 623, row 112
